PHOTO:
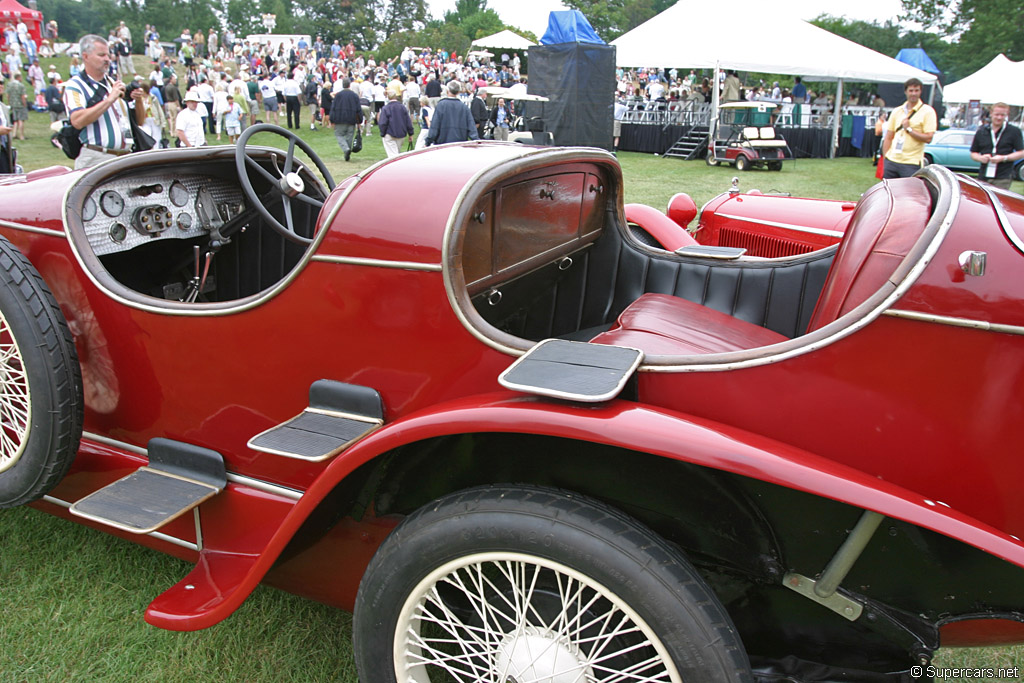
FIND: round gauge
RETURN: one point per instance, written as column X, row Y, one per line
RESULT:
column 184, row 221
column 178, row 193
column 118, row 232
column 112, row 203
column 89, row 210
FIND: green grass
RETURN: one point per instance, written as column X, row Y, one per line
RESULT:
column 72, row 598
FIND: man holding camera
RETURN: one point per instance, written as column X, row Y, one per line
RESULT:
column 96, row 106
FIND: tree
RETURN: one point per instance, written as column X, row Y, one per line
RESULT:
column 981, row 29
column 401, row 15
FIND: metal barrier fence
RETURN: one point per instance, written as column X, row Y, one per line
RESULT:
column 687, row 113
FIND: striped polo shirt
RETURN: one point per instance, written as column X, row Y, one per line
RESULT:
column 109, row 130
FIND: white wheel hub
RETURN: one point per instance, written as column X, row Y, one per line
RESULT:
column 536, row 656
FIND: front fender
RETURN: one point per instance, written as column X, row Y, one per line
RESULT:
column 635, row 427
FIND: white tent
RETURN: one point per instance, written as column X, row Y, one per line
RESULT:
column 504, row 40
column 1001, row 80
column 749, row 36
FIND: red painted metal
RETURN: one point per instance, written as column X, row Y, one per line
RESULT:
column 880, row 418
column 771, row 225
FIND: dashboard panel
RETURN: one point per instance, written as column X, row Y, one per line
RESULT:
column 125, row 212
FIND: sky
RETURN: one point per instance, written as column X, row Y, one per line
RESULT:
column 532, row 15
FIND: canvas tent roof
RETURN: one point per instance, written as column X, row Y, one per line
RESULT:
column 1001, row 80
column 505, row 40
column 12, row 11
column 784, row 45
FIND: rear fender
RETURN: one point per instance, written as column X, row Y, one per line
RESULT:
column 638, row 428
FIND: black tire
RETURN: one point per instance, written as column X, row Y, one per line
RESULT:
column 445, row 580
column 710, row 159
column 742, row 163
column 41, row 396
column 774, row 165
column 928, row 160
column 1018, row 171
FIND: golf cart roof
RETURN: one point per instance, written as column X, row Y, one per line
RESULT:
column 759, row 105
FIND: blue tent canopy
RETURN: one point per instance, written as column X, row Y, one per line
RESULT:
column 569, row 26
column 916, row 57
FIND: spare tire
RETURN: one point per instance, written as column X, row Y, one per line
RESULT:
column 40, row 384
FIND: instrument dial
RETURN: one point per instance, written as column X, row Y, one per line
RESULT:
column 178, row 193
column 112, row 203
column 184, row 221
column 89, row 210
column 118, row 232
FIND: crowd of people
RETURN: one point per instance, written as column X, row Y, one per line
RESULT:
column 234, row 84
column 226, row 84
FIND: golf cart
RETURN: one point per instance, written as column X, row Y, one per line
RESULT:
column 744, row 137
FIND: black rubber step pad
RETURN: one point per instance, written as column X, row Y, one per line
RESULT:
column 314, row 436
column 143, row 501
column 577, row 371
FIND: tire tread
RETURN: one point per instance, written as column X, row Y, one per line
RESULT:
column 58, row 348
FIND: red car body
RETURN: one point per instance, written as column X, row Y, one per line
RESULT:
column 876, row 375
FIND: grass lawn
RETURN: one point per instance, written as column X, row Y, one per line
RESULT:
column 72, row 598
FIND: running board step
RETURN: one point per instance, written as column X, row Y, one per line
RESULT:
column 178, row 478
column 577, row 371
column 338, row 415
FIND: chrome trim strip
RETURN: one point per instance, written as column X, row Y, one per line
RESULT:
column 345, row 415
column 155, row 534
column 377, row 263
column 114, row 443
column 205, row 310
column 32, row 228
column 240, row 479
column 1004, row 220
column 787, row 226
column 982, row 325
column 266, row 487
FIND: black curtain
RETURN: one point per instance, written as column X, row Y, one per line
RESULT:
column 579, row 79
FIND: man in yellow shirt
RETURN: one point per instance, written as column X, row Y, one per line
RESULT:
column 909, row 128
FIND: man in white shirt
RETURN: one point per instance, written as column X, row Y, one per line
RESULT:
column 205, row 92
column 366, row 101
column 412, row 98
column 189, row 124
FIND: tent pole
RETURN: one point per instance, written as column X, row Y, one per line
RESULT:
column 713, row 123
column 837, row 119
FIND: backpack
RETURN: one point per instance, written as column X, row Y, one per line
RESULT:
column 69, row 137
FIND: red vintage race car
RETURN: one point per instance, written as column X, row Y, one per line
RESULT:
column 455, row 394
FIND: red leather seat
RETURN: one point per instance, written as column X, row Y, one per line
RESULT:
column 887, row 223
column 662, row 324
column 885, row 226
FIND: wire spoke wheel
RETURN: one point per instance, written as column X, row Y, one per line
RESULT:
column 528, row 584
column 514, row 618
column 15, row 398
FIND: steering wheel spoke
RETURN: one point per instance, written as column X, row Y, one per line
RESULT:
column 251, row 163
column 312, row 201
column 280, row 190
column 289, row 157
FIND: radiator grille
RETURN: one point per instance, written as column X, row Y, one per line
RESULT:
column 761, row 245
